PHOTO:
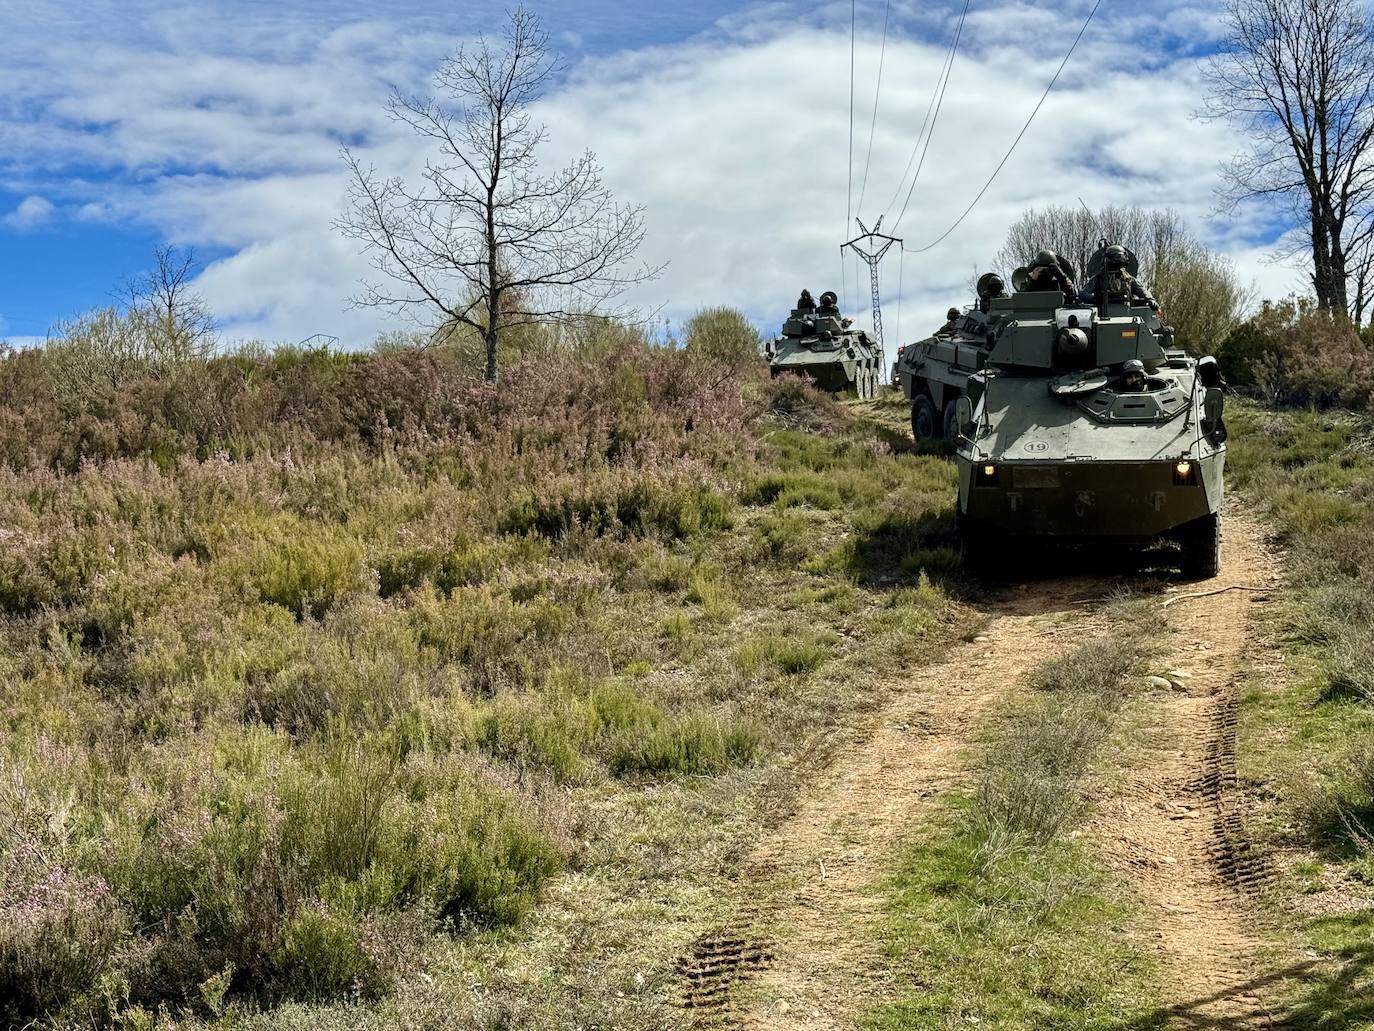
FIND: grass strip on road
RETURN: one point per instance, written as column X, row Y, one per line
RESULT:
column 1001, row 914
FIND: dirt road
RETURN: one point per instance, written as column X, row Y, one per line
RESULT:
column 1175, row 834
column 1171, row 832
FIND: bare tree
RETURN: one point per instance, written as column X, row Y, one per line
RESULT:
column 1197, row 288
column 163, row 307
column 1298, row 77
column 485, row 240
column 1076, row 234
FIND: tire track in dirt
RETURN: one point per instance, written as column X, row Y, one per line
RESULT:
column 821, row 865
column 1176, row 834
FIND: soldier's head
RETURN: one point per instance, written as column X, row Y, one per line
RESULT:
column 805, row 294
column 995, row 287
column 952, row 314
column 1045, row 259
column 1114, row 257
column 1133, row 374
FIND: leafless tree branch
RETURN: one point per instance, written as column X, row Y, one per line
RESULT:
column 486, row 239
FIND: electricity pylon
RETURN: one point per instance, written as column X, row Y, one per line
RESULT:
column 877, row 244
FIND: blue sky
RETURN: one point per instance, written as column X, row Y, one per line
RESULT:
column 124, row 125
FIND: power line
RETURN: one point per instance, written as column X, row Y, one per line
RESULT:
column 939, row 103
column 849, row 192
column 901, row 275
column 1024, row 129
column 877, row 92
column 943, row 77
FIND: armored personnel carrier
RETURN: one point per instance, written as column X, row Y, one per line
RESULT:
column 817, row 342
column 1074, row 419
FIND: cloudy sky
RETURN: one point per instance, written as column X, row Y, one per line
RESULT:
column 127, row 124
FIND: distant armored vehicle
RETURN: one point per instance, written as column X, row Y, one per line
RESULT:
column 1073, row 416
column 817, row 342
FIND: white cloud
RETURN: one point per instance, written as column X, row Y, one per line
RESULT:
column 31, row 212
column 225, row 134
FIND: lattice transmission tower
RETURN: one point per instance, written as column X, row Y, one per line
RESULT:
column 871, row 245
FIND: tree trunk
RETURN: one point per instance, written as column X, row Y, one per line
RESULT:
column 1321, row 261
column 490, row 337
column 1339, row 294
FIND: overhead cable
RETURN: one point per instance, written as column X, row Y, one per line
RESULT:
column 877, row 92
column 935, row 118
column 1036, row 110
column 940, row 80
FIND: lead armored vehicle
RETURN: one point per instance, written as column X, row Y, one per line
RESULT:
column 817, row 342
column 1074, row 419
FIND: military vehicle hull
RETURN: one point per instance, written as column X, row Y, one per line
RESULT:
column 1126, row 501
column 858, row 377
column 1104, row 465
column 818, row 343
column 1054, row 443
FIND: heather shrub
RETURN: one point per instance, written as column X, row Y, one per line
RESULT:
column 694, row 744
column 286, row 561
column 1292, row 353
column 542, row 732
column 61, row 930
column 641, row 505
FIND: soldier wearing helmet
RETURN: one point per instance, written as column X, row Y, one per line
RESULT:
column 1046, row 273
column 1115, row 284
column 1133, row 376
column 952, row 319
column 805, row 302
column 830, row 304
column 990, row 287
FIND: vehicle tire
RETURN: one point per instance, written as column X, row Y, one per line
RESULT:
column 861, row 383
column 873, row 381
column 1201, row 541
column 924, row 421
column 983, row 552
column 951, row 423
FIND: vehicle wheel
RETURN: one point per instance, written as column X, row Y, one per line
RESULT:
column 1201, row 540
column 861, row 384
column 951, row 427
column 983, row 553
column 873, row 382
column 923, row 418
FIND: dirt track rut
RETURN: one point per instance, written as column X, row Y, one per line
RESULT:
column 1173, row 833
column 825, row 860
column 1176, row 833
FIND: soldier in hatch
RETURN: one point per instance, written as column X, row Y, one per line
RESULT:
column 830, row 304
column 1133, row 376
column 952, row 319
column 805, row 303
column 990, row 288
column 1045, row 273
column 1114, row 284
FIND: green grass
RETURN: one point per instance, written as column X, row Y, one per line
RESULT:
column 1031, row 942
column 321, row 724
column 1307, row 732
column 999, row 915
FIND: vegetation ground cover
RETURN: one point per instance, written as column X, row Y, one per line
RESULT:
column 1000, row 913
column 349, row 690
column 1308, row 724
